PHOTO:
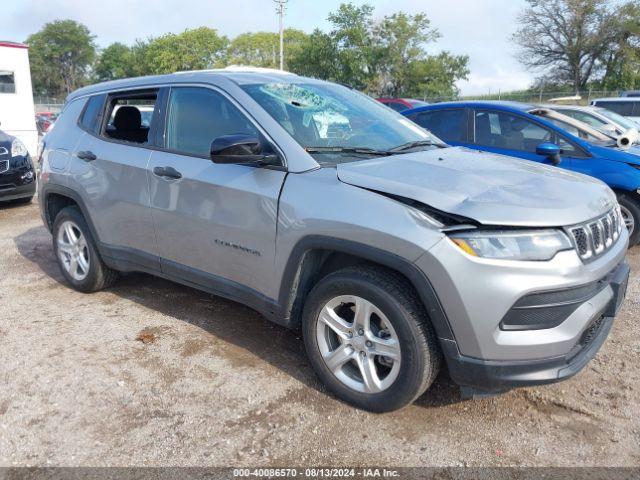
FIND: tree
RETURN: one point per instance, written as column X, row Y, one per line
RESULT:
column 115, row 61
column 261, row 49
column 622, row 62
column 61, row 55
column 436, row 76
column 382, row 58
column 353, row 44
column 567, row 40
column 196, row 49
column 400, row 39
column 315, row 57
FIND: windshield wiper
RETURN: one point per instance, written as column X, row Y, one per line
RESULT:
column 361, row 150
column 418, row 143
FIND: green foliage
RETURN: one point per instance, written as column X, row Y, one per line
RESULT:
column 435, row 76
column 115, row 61
column 316, row 57
column 622, row 62
column 196, row 49
column 61, row 55
column 262, row 49
column 387, row 57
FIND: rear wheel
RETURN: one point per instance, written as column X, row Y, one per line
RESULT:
column 368, row 338
column 77, row 255
column 630, row 209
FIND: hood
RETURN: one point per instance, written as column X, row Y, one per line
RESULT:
column 491, row 189
column 5, row 138
column 614, row 153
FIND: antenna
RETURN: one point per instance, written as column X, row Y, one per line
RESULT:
column 280, row 8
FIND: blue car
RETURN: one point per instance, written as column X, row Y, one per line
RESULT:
column 526, row 131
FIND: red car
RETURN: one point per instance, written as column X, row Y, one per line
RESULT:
column 401, row 104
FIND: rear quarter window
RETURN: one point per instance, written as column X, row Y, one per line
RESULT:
column 92, row 114
column 627, row 109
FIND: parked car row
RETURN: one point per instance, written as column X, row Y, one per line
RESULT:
column 397, row 250
column 541, row 135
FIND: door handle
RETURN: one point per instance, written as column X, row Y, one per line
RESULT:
column 86, row 155
column 167, row 172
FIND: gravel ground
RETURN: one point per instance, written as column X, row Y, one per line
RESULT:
column 153, row 373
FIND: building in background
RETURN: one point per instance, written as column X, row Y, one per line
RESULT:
column 17, row 116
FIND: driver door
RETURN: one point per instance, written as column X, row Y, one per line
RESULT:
column 215, row 223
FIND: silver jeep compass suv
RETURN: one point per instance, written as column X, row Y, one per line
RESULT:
column 323, row 209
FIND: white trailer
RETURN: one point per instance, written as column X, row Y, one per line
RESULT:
column 17, row 115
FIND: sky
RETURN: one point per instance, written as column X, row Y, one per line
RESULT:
column 478, row 28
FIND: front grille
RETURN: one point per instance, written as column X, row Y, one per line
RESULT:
column 4, row 166
column 595, row 237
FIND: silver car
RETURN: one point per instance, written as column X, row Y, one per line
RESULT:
column 606, row 121
column 327, row 211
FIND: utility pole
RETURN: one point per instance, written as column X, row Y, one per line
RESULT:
column 281, row 5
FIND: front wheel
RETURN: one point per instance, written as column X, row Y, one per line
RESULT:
column 368, row 338
column 630, row 209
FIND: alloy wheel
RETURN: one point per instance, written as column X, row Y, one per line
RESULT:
column 628, row 219
column 358, row 344
column 73, row 250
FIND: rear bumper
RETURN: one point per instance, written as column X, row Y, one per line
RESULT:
column 485, row 376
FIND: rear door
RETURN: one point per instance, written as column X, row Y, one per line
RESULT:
column 215, row 223
column 449, row 125
column 110, row 169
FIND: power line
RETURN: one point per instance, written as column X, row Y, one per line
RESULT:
column 280, row 8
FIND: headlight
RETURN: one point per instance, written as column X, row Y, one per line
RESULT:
column 513, row 245
column 18, row 149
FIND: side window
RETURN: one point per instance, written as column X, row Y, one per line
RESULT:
column 503, row 130
column 196, row 116
column 7, row 82
column 129, row 115
column 90, row 119
column 397, row 106
column 449, row 125
column 568, row 149
column 583, row 117
column 623, row 108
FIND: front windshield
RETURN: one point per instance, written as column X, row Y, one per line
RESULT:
column 617, row 118
column 336, row 124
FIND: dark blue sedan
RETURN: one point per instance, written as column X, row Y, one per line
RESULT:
column 529, row 132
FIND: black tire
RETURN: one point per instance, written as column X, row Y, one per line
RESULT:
column 632, row 204
column 394, row 296
column 99, row 276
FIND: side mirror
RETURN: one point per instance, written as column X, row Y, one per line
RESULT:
column 549, row 150
column 241, row 149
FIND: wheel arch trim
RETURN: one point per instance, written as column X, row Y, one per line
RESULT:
column 289, row 293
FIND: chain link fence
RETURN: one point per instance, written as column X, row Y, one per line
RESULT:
column 48, row 104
